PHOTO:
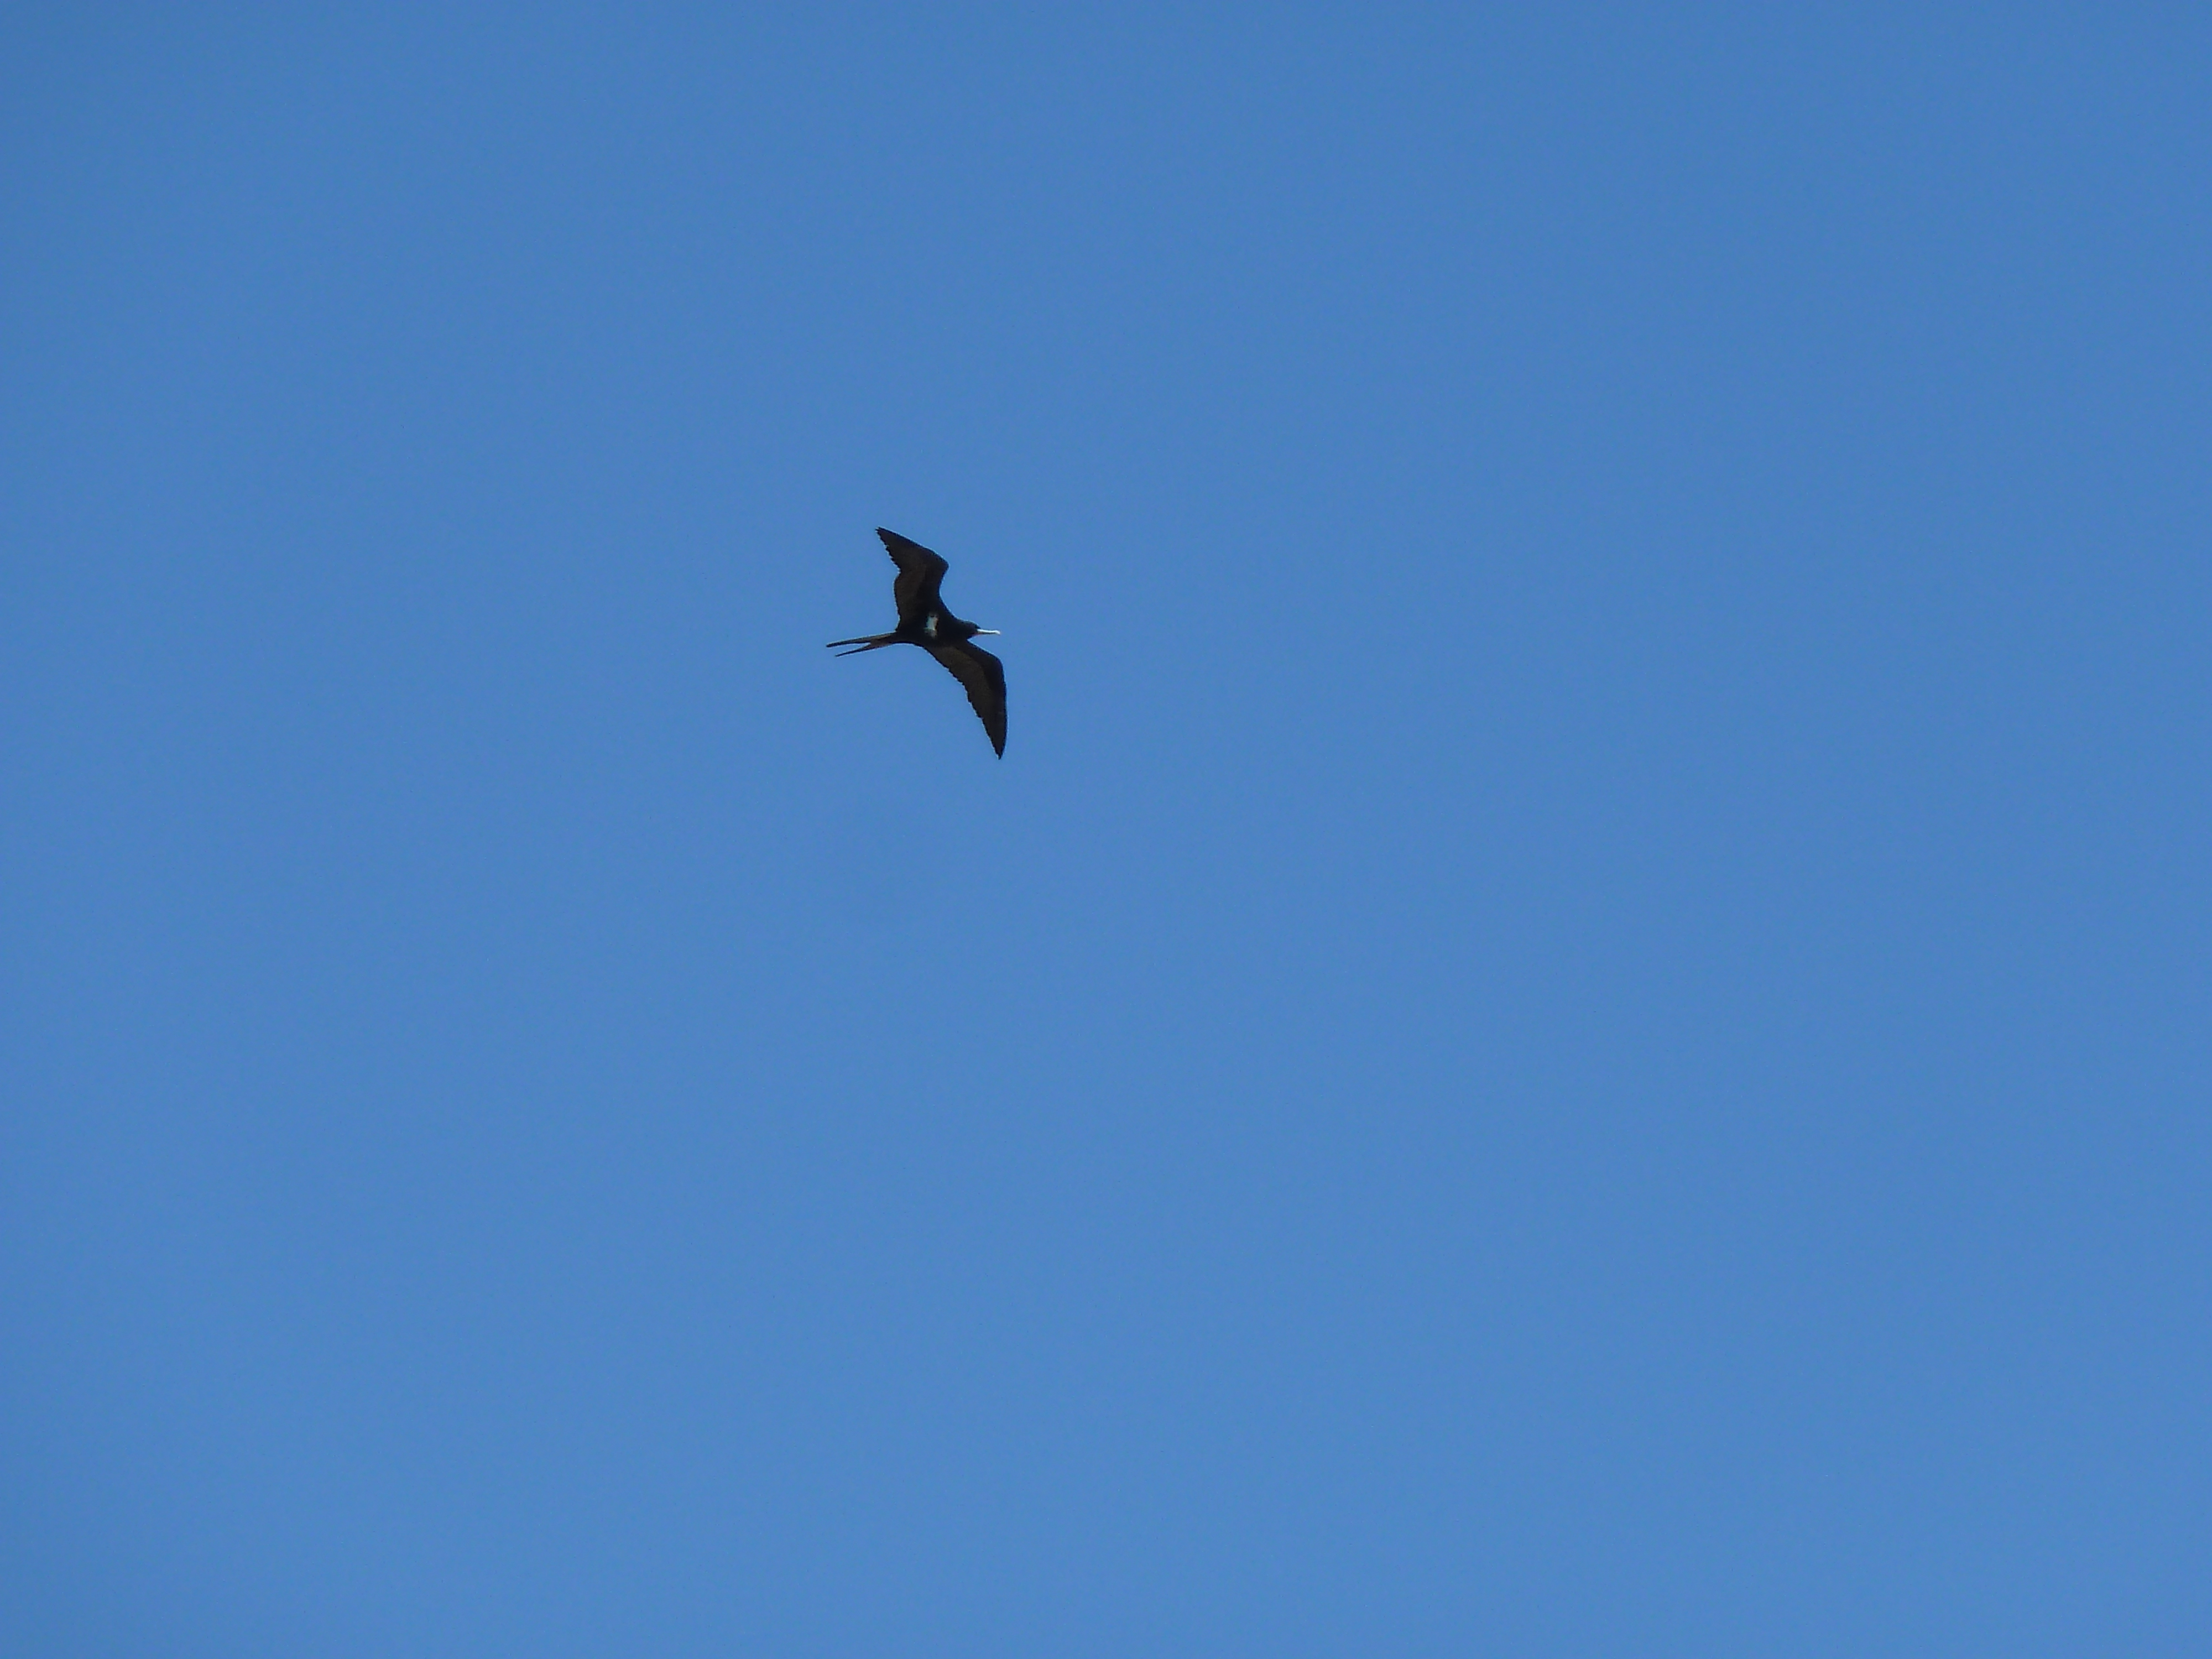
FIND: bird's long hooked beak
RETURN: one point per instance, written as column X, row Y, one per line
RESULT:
column 986, row 630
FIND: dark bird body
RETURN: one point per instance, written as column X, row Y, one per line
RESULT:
column 924, row 621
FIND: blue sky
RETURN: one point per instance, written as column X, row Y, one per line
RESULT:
column 1575, row 1024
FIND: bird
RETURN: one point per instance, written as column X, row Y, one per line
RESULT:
column 924, row 621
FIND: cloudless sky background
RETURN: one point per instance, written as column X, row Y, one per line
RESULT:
column 1576, row 1024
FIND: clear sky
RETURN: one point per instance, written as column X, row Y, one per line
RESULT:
column 1579, row 1021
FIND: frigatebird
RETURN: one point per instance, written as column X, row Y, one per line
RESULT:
column 924, row 621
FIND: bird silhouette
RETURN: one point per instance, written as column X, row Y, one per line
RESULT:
column 924, row 621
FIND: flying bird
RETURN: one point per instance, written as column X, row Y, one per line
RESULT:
column 924, row 621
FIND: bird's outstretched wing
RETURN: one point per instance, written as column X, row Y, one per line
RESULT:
column 985, row 677
column 914, row 589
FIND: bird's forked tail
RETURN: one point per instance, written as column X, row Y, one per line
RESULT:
column 866, row 642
